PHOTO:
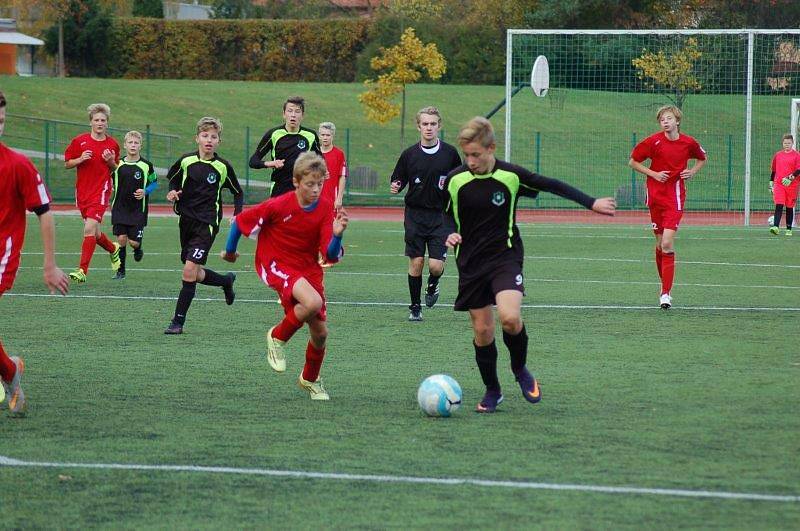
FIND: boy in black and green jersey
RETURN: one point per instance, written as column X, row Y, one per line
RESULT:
column 481, row 210
column 284, row 144
column 196, row 181
column 134, row 180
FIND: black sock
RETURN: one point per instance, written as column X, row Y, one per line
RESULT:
column 518, row 347
column 213, row 279
column 433, row 281
column 789, row 218
column 415, row 290
column 184, row 301
column 486, row 357
column 122, row 255
column 778, row 212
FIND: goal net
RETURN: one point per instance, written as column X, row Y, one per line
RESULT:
column 739, row 92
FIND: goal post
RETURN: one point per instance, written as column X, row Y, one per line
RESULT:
column 733, row 87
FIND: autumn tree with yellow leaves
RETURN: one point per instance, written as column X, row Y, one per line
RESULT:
column 400, row 65
column 673, row 73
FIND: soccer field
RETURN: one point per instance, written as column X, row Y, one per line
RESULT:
column 650, row 419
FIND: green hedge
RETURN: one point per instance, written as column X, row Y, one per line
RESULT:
column 255, row 50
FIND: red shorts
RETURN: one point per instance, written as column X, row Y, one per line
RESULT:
column 282, row 279
column 785, row 195
column 665, row 217
column 93, row 211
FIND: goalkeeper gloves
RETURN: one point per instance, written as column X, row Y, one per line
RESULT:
column 786, row 181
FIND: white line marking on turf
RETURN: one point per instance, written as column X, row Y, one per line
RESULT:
column 405, row 304
column 299, row 474
column 558, row 280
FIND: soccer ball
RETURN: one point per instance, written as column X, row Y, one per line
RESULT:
column 439, row 395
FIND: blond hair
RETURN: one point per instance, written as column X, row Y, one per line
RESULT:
column 207, row 123
column 100, row 108
column 479, row 130
column 429, row 110
column 309, row 163
column 676, row 112
column 133, row 134
column 329, row 126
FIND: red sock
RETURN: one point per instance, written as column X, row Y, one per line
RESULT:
column 659, row 258
column 314, row 357
column 286, row 328
column 667, row 272
column 8, row 369
column 105, row 243
column 87, row 250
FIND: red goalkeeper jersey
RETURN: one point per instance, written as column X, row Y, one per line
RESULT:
column 288, row 233
column 93, row 185
column 22, row 189
column 667, row 155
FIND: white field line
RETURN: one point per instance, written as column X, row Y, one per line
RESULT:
column 372, row 478
column 552, row 280
column 405, row 304
column 570, row 258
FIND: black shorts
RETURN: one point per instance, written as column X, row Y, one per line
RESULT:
column 425, row 228
column 478, row 291
column 133, row 232
column 197, row 238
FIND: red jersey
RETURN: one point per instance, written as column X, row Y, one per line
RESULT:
column 337, row 167
column 93, row 185
column 667, row 155
column 784, row 164
column 22, row 189
column 288, row 233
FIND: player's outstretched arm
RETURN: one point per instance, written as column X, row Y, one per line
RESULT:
column 229, row 254
column 605, row 205
column 54, row 278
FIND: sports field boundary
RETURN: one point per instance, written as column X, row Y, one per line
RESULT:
column 372, row 478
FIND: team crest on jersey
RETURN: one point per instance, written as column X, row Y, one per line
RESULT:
column 442, row 179
column 301, row 144
column 138, row 175
column 498, row 198
column 212, row 178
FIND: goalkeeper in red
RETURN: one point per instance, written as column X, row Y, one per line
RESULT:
column 669, row 152
column 291, row 231
column 783, row 184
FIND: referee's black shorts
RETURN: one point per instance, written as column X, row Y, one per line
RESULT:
column 425, row 228
column 479, row 290
column 197, row 237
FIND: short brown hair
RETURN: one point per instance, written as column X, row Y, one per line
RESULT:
column 207, row 122
column 676, row 112
column 100, row 108
column 309, row 163
column 479, row 130
column 787, row 136
column 433, row 111
column 297, row 100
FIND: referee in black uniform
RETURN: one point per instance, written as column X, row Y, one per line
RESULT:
column 481, row 212
column 283, row 144
column 423, row 167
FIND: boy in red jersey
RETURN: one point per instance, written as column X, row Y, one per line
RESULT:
column 96, row 155
column 22, row 189
column 783, row 184
column 292, row 229
column 669, row 151
column 333, row 188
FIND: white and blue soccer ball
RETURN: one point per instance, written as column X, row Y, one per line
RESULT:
column 439, row 395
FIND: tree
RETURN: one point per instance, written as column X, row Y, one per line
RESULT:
column 673, row 72
column 402, row 64
column 148, row 8
column 81, row 33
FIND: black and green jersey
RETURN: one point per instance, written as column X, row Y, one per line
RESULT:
column 278, row 143
column 129, row 177
column 483, row 208
column 201, row 182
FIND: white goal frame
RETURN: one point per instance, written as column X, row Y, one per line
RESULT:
column 748, row 33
